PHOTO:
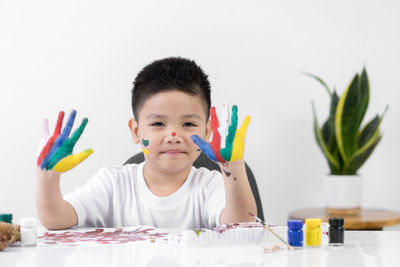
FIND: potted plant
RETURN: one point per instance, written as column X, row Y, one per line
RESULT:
column 346, row 144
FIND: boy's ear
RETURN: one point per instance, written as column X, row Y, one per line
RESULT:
column 208, row 131
column 133, row 126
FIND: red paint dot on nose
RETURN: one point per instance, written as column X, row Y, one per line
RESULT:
column 173, row 134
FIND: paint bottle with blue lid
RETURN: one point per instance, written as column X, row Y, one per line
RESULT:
column 295, row 233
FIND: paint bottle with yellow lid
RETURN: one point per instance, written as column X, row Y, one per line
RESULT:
column 313, row 232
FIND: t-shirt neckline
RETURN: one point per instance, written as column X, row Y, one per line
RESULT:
column 170, row 200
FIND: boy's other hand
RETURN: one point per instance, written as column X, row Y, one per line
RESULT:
column 56, row 151
column 226, row 135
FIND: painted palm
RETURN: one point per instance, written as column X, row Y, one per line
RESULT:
column 345, row 144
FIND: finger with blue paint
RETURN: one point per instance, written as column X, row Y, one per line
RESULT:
column 204, row 146
column 60, row 139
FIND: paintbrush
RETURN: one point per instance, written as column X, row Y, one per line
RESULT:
column 266, row 226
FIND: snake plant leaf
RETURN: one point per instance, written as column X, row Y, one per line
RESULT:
column 363, row 94
column 333, row 163
column 370, row 129
column 328, row 129
column 362, row 154
column 349, row 114
column 321, row 81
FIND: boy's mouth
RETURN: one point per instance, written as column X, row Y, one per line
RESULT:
column 173, row 152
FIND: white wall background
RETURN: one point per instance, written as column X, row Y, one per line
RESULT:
column 85, row 54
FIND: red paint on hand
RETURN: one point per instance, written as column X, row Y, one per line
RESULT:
column 51, row 140
column 216, row 140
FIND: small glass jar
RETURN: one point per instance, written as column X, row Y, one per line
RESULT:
column 28, row 231
column 336, row 231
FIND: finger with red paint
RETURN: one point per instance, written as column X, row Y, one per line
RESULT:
column 216, row 137
column 51, row 140
column 212, row 148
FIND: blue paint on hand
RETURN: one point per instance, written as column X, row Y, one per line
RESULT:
column 204, row 146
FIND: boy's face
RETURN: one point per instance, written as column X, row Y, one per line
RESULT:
column 166, row 122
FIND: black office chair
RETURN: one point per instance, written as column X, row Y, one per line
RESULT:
column 204, row 161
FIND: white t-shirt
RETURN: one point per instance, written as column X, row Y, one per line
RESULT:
column 120, row 197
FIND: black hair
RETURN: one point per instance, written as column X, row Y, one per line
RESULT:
column 174, row 73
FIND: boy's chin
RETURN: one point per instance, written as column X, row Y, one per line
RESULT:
column 175, row 166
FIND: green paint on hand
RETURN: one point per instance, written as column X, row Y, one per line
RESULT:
column 226, row 152
column 68, row 146
column 145, row 142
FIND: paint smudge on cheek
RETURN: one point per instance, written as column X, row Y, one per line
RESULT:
column 145, row 142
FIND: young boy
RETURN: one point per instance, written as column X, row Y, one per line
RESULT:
column 171, row 104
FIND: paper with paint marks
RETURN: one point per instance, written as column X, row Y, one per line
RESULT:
column 99, row 236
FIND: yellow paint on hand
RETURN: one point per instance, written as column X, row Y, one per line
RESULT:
column 71, row 161
column 238, row 142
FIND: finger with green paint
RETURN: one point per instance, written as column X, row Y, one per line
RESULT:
column 226, row 152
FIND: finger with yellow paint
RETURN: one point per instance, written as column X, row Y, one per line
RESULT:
column 71, row 161
column 238, row 142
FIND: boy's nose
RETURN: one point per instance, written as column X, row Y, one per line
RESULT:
column 174, row 138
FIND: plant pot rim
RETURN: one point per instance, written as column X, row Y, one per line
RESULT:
column 344, row 175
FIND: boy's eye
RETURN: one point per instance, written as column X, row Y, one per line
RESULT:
column 157, row 124
column 189, row 124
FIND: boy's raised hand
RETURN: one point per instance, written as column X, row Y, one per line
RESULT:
column 234, row 141
column 57, row 152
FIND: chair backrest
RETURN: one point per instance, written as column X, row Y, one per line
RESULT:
column 204, row 161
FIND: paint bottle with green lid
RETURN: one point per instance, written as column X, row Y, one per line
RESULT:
column 6, row 217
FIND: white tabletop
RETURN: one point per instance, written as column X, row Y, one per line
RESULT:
column 362, row 248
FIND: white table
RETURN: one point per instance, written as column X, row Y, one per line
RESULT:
column 362, row 248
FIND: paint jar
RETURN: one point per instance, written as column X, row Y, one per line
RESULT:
column 28, row 231
column 336, row 231
column 295, row 233
column 313, row 232
column 6, row 217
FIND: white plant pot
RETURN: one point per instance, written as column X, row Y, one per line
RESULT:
column 343, row 192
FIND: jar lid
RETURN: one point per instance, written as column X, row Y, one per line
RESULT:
column 313, row 222
column 336, row 221
column 6, row 217
column 295, row 224
column 28, row 222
